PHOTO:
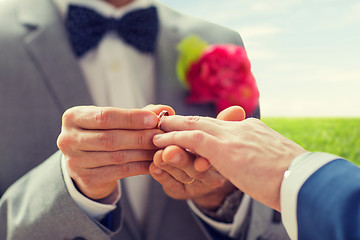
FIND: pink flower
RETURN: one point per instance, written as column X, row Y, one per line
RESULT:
column 222, row 75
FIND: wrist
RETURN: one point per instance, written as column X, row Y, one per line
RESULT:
column 212, row 201
column 91, row 208
column 97, row 194
column 226, row 211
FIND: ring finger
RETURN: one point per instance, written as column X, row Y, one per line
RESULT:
column 177, row 173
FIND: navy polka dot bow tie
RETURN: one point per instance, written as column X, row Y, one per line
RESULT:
column 86, row 28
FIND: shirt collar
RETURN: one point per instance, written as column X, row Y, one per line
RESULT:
column 102, row 7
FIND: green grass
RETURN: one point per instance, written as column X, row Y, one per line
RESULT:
column 339, row 136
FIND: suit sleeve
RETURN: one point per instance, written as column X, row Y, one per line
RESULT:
column 329, row 203
column 38, row 206
column 326, row 205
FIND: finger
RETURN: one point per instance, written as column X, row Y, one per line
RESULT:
column 201, row 164
column 98, row 182
column 171, row 186
column 115, row 140
column 234, row 113
column 159, row 108
column 91, row 117
column 183, row 123
column 105, row 174
column 197, row 141
column 183, row 160
column 178, row 158
column 177, row 173
column 100, row 159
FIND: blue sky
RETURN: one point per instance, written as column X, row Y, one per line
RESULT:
column 305, row 54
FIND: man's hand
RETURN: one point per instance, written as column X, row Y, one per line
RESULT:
column 248, row 153
column 183, row 175
column 174, row 169
column 103, row 144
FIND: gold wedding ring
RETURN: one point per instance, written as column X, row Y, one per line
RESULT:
column 160, row 116
column 190, row 181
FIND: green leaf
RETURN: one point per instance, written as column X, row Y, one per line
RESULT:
column 190, row 50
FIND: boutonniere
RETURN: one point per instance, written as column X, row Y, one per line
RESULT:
column 219, row 74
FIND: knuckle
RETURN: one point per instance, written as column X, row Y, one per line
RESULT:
column 132, row 169
column 68, row 116
column 118, row 157
column 64, row 142
column 249, row 123
column 83, row 139
column 142, row 167
column 198, row 135
column 129, row 118
column 102, row 117
column 107, row 140
column 124, row 169
column 141, row 139
column 191, row 120
column 60, row 142
column 175, row 137
column 251, row 119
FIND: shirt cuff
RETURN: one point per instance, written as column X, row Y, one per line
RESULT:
column 300, row 169
column 97, row 210
column 229, row 229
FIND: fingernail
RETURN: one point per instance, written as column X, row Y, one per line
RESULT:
column 150, row 121
column 158, row 171
column 157, row 137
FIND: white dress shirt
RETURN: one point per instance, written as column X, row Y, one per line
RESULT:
column 114, row 80
column 299, row 171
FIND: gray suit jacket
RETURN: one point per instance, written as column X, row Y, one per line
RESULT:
column 39, row 80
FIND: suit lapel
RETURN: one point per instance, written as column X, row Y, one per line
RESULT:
column 48, row 46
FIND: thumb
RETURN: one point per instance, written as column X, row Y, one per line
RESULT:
column 234, row 113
